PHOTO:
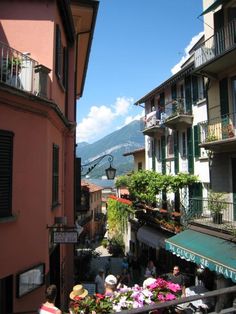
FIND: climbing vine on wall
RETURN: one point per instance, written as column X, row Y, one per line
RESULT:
column 118, row 216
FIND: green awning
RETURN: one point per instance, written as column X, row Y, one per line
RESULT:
column 217, row 254
column 213, row 6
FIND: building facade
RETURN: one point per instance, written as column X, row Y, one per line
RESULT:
column 45, row 48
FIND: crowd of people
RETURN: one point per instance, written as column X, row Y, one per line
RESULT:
column 107, row 283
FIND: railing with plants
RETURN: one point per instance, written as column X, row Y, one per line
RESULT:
column 22, row 72
column 213, row 211
column 157, row 298
column 175, row 107
column 218, row 129
column 222, row 41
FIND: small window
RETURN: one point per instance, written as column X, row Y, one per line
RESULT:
column 6, row 160
column 55, row 176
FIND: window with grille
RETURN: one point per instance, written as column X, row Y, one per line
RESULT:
column 6, row 160
column 55, row 175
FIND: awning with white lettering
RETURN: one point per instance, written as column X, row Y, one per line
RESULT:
column 217, row 254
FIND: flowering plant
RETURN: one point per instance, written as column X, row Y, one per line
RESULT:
column 126, row 298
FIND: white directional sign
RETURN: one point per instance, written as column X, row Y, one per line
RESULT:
column 65, row 237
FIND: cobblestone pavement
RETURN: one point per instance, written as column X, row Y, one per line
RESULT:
column 116, row 265
column 100, row 262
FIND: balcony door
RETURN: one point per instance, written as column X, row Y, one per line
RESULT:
column 233, row 84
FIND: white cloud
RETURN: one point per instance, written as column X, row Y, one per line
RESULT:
column 129, row 119
column 193, row 41
column 122, row 105
column 100, row 120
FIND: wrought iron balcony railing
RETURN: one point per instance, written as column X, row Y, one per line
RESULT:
column 22, row 72
column 176, row 107
column 199, row 212
column 221, row 42
column 220, row 128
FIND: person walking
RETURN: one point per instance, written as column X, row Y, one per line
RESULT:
column 150, row 270
column 99, row 281
column 48, row 307
column 110, row 284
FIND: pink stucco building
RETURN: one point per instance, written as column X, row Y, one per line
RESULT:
column 44, row 52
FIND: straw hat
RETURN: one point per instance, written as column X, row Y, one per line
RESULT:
column 78, row 291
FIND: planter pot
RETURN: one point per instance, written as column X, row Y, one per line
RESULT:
column 218, row 218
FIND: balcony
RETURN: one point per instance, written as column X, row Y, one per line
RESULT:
column 219, row 134
column 209, row 57
column 18, row 70
column 151, row 124
column 176, row 115
column 198, row 213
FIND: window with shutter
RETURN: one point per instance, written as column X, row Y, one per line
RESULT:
column 195, row 88
column 224, row 107
column 153, row 154
column 6, row 160
column 188, row 95
column 55, row 176
column 163, row 154
column 174, row 97
column 190, row 150
column 61, row 59
column 176, row 151
column 58, row 65
column 196, row 131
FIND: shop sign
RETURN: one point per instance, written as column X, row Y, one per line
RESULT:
column 202, row 261
column 60, row 237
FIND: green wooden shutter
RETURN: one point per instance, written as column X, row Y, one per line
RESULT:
column 6, row 160
column 195, row 191
column 195, row 88
column 176, row 151
column 190, row 150
column 196, row 130
column 154, row 154
column 224, row 99
column 163, row 154
column 188, row 94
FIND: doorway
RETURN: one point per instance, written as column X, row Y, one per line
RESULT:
column 6, row 293
column 54, row 273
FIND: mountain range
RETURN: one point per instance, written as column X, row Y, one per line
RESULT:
column 124, row 140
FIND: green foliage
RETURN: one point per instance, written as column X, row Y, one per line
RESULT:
column 122, row 181
column 146, row 185
column 182, row 180
column 116, row 245
column 117, row 216
column 216, row 201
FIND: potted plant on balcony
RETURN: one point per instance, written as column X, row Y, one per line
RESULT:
column 216, row 205
column 14, row 65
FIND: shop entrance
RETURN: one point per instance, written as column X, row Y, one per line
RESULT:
column 6, row 293
column 54, row 274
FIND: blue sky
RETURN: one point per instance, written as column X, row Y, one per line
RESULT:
column 136, row 46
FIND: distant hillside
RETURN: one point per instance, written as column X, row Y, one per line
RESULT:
column 117, row 143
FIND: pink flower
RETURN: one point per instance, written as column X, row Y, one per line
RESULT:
column 170, row 296
column 173, row 286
